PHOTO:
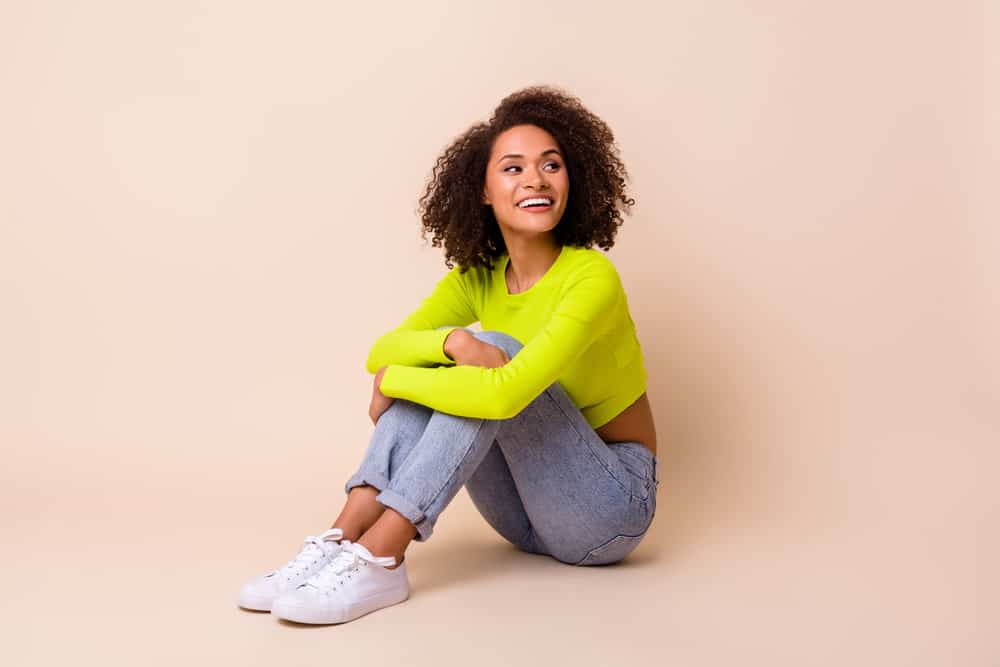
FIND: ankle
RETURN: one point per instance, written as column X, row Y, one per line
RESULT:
column 378, row 551
column 350, row 534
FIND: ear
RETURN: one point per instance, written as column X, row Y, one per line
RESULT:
column 486, row 199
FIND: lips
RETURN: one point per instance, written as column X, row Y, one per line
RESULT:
column 535, row 202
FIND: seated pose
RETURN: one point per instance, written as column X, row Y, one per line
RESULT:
column 542, row 416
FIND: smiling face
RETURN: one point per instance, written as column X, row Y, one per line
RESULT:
column 526, row 163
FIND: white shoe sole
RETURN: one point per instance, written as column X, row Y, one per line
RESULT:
column 290, row 609
column 255, row 602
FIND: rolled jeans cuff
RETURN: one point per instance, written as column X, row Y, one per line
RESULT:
column 369, row 478
column 410, row 511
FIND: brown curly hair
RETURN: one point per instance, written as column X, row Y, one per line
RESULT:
column 451, row 206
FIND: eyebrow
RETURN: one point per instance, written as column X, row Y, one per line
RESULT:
column 544, row 153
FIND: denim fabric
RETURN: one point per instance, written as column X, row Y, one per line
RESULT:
column 543, row 479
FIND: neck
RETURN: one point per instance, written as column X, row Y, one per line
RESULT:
column 529, row 260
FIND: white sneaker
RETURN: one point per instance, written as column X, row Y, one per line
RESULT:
column 353, row 584
column 260, row 593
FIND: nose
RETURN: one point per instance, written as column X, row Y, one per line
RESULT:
column 537, row 181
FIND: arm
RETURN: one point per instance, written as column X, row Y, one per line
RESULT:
column 419, row 340
column 501, row 393
column 462, row 347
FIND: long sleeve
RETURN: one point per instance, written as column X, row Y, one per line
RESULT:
column 419, row 340
column 584, row 308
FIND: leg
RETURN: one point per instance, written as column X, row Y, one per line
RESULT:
column 587, row 502
column 491, row 488
column 578, row 493
column 494, row 493
column 359, row 513
column 396, row 432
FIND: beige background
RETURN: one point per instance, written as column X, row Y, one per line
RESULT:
column 207, row 215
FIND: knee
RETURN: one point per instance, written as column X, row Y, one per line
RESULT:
column 505, row 342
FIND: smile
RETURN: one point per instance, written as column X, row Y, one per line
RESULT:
column 535, row 203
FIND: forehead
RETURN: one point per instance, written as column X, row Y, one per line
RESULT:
column 524, row 139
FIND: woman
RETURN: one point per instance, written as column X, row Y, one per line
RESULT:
column 542, row 416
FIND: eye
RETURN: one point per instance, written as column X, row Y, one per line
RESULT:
column 552, row 163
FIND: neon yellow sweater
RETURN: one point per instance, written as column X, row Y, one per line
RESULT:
column 574, row 323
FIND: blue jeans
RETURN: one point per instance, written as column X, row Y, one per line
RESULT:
column 543, row 479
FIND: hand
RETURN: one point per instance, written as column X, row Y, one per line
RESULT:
column 380, row 402
column 467, row 350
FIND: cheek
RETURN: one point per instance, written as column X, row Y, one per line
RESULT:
column 563, row 185
column 559, row 180
column 500, row 189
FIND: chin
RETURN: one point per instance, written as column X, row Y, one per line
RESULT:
column 533, row 229
column 540, row 225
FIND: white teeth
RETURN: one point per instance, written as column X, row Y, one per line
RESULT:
column 535, row 200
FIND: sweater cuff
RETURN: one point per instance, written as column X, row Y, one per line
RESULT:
column 444, row 331
column 404, row 381
column 429, row 344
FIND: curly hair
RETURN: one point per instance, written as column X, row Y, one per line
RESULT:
column 451, row 206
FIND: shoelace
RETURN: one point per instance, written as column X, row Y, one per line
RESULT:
column 313, row 548
column 348, row 560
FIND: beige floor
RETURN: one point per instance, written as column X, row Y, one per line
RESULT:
column 742, row 567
